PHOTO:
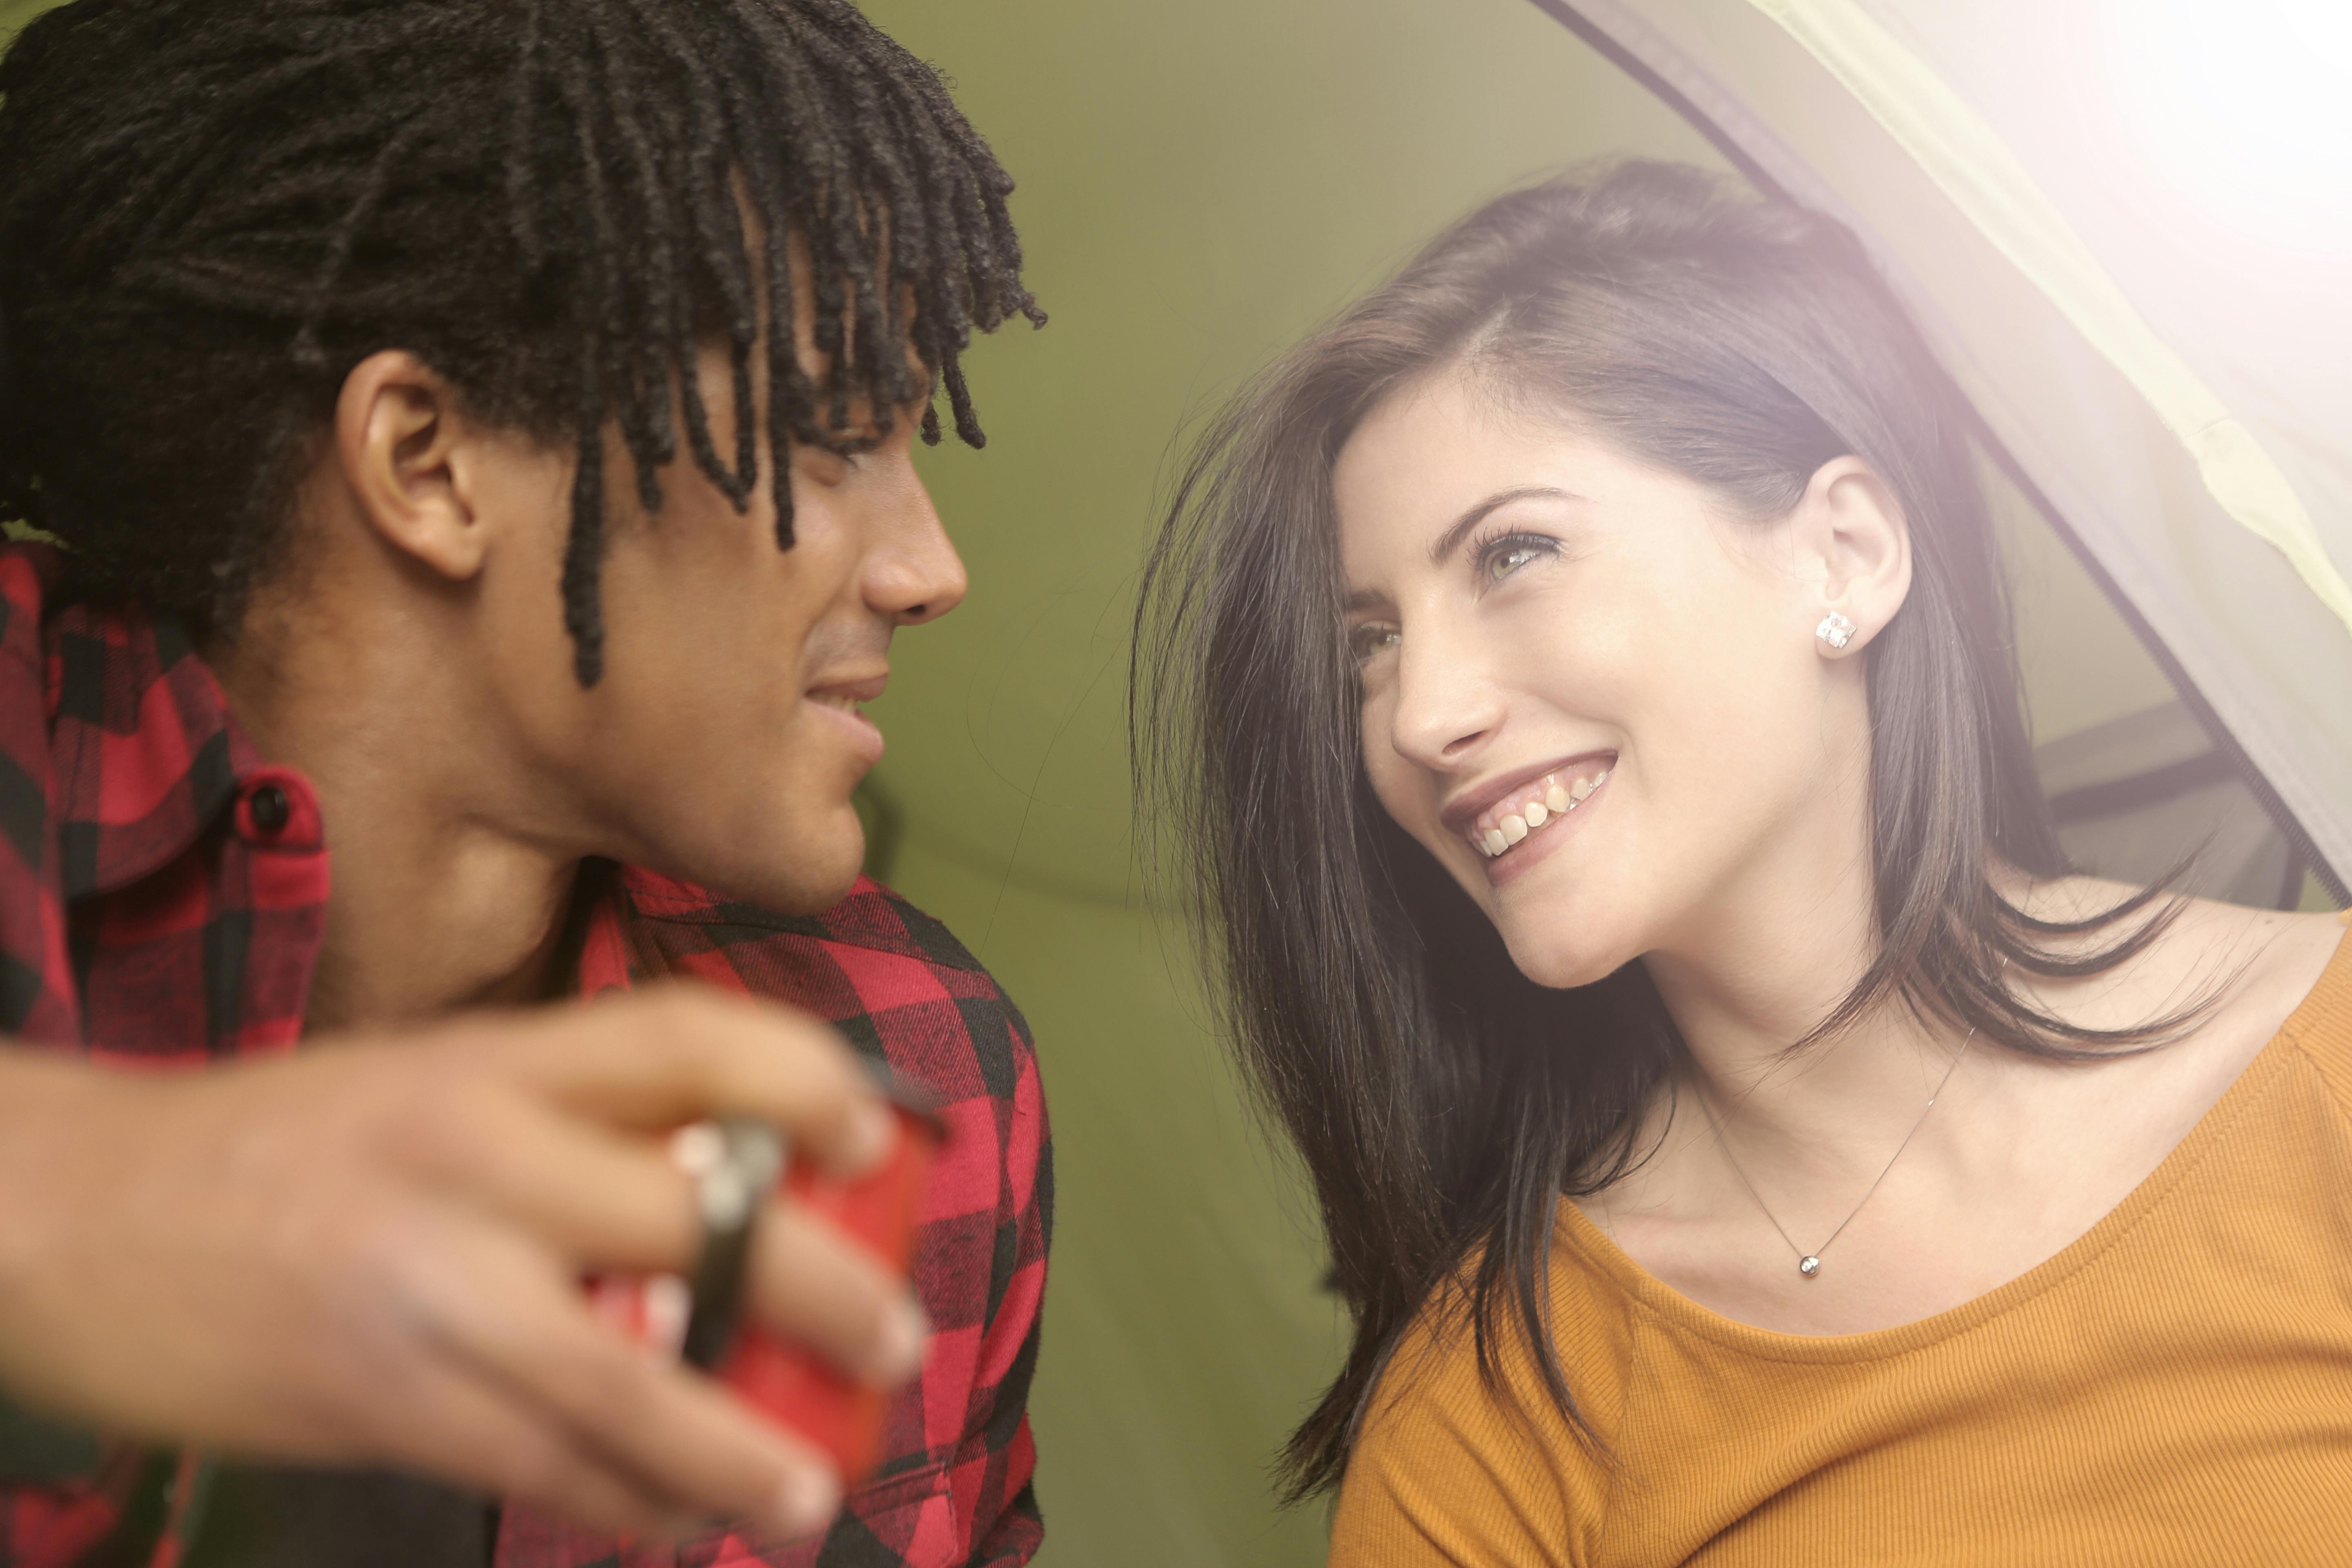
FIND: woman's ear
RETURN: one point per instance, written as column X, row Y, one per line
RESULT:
column 406, row 455
column 1853, row 554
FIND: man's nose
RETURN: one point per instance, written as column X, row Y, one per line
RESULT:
column 914, row 573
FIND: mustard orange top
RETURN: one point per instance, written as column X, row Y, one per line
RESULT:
column 2175, row 1388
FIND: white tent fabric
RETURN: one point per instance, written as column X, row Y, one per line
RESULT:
column 2173, row 394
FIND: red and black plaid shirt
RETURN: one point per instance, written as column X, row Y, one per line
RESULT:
column 150, row 913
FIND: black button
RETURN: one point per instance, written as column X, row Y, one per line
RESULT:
column 271, row 809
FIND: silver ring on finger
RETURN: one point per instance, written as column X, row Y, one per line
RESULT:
column 734, row 1163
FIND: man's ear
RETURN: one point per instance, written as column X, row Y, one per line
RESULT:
column 404, row 452
column 1854, row 551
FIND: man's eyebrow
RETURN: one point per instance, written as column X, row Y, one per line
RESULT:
column 1453, row 536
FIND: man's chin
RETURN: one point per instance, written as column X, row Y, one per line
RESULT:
column 804, row 878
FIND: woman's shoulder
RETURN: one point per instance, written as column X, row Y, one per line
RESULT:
column 2318, row 1007
column 2280, row 985
column 1459, row 1463
column 2272, row 973
column 2276, row 992
column 2239, row 974
column 1444, row 1357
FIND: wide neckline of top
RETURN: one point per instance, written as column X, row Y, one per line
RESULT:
column 1663, row 1301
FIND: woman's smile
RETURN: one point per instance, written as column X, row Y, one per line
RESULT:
column 1526, row 820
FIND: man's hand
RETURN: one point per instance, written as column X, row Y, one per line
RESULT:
column 371, row 1252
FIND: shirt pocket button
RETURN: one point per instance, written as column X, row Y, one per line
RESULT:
column 270, row 808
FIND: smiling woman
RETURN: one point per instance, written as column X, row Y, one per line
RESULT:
column 1582, row 677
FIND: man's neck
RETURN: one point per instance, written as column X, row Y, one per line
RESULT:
column 416, row 927
column 441, row 897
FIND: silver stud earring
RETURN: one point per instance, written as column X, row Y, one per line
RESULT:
column 1835, row 630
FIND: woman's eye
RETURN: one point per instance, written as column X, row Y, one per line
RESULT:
column 1508, row 559
column 1368, row 640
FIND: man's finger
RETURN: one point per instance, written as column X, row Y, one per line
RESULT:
column 811, row 1284
column 603, row 1198
column 608, row 1200
column 458, row 1424
column 678, row 1435
column 676, row 1054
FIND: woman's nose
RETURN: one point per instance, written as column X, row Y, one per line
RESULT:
column 1447, row 705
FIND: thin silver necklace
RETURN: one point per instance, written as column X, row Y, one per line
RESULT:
column 1809, row 1264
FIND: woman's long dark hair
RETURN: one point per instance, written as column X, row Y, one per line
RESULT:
column 1444, row 1102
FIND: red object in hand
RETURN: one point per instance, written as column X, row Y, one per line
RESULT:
column 796, row 1387
column 792, row 1386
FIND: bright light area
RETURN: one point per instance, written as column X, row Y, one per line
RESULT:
column 2244, row 108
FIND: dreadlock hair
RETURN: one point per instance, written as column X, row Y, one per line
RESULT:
column 211, row 210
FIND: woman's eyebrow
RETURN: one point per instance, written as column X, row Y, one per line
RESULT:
column 1469, row 520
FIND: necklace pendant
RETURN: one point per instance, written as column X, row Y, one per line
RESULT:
column 1808, row 1267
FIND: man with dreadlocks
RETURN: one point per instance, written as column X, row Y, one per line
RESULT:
column 477, row 433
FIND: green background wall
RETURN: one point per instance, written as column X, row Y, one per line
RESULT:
column 1199, row 184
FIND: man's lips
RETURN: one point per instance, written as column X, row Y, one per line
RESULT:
column 840, row 696
column 847, row 691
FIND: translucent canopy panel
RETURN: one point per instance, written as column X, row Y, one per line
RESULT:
column 2126, row 226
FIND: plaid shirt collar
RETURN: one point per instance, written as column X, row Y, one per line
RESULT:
column 162, row 888
column 152, row 757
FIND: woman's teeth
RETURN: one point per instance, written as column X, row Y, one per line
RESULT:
column 1506, row 823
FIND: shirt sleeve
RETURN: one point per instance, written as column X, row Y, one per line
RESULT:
column 980, row 1274
column 993, row 1471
